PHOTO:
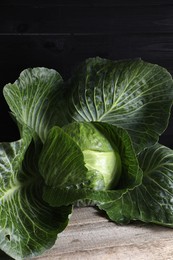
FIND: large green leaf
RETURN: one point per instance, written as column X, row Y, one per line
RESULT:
column 28, row 225
column 153, row 200
column 35, row 99
column 61, row 162
column 155, row 196
column 62, row 167
column 132, row 94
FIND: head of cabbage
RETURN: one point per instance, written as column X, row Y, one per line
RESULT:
column 101, row 158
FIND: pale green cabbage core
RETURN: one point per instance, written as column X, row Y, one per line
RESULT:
column 101, row 159
column 107, row 163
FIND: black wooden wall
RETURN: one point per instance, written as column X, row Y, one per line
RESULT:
column 60, row 34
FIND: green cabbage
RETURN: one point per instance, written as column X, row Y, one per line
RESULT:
column 93, row 138
column 100, row 157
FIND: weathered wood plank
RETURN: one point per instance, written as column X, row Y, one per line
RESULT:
column 64, row 51
column 103, row 18
column 91, row 236
column 39, row 3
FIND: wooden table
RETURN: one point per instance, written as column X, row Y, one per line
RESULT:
column 90, row 235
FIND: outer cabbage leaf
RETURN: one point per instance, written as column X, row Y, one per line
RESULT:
column 152, row 201
column 62, row 166
column 28, row 225
column 61, row 162
column 132, row 94
column 155, row 196
column 35, row 99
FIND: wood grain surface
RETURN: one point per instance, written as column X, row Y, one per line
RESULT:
column 91, row 236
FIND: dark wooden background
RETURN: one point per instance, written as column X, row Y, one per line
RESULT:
column 60, row 34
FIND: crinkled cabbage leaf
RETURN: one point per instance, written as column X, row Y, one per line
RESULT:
column 28, row 225
column 152, row 201
column 132, row 94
